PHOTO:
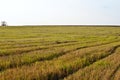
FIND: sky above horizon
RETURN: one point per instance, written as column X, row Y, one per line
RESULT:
column 60, row 12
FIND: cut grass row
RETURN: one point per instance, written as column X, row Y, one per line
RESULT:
column 59, row 67
column 37, row 55
column 105, row 69
column 34, row 43
column 31, row 57
column 14, row 51
column 15, row 44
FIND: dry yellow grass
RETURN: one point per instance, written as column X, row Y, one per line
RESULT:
column 54, row 53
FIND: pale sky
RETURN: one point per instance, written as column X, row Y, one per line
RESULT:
column 60, row 12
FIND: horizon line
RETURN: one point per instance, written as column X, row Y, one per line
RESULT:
column 69, row 25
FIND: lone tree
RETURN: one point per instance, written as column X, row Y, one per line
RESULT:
column 4, row 23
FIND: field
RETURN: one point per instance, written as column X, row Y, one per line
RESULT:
column 59, row 53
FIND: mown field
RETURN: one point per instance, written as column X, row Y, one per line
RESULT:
column 59, row 53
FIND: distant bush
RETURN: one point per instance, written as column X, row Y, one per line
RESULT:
column 3, row 23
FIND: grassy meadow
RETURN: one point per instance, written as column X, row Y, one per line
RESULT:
column 59, row 53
